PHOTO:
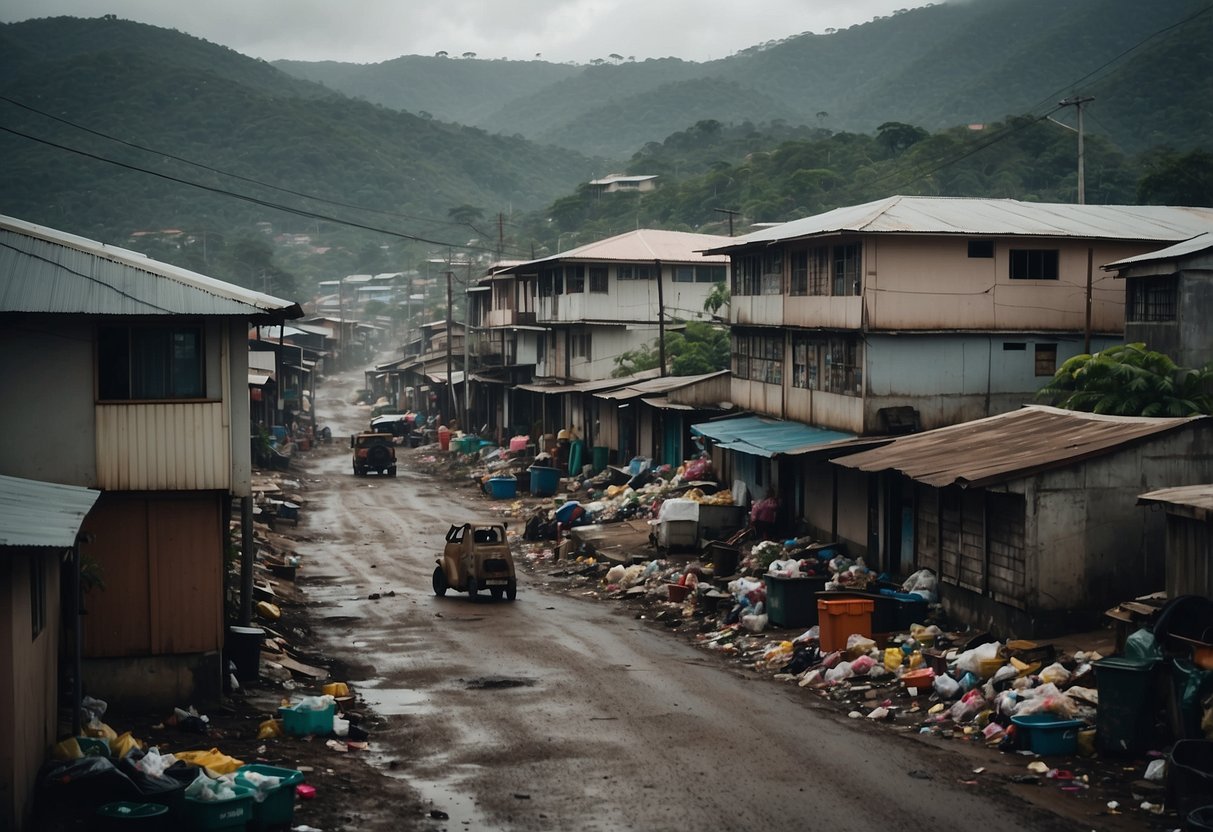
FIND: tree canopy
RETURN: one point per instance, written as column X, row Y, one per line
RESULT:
column 1130, row 380
column 698, row 348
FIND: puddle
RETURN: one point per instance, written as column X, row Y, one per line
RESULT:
column 497, row 683
column 447, row 794
column 394, row 701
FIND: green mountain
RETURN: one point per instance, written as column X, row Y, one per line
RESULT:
column 182, row 96
column 936, row 66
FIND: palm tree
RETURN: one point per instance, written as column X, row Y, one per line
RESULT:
column 1130, row 380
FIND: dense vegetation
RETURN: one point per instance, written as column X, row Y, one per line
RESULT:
column 1147, row 64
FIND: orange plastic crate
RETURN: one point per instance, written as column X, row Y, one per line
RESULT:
column 841, row 618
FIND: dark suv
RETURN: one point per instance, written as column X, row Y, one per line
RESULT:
column 373, row 452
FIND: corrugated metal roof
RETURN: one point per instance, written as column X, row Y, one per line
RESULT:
column 997, row 217
column 1197, row 244
column 34, row 513
column 1009, row 446
column 45, row 270
column 766, row 437
column 607, row 180
column 662, row 384
column 1198, row 497
column 643, row 245
column 589, row 386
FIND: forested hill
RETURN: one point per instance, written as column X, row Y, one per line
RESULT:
column 935, row 67
column 185, row 97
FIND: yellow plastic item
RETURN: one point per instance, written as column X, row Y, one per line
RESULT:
column 988, row 667
column 214, row 761
column 1086, row 743
column 268, row 611
column 336, row 689
column 123, row 744
column 100, row 731
column 269, row 729
column 69, row 749
column 893, row 658
column 915, row 660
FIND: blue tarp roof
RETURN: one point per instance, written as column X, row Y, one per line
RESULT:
column 761, row 436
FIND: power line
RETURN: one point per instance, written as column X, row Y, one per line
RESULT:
column 245, row 197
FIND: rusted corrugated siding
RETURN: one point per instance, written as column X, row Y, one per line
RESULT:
column 163, row 447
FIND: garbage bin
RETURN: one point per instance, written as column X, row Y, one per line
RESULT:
column 444, row 438
column 1201, row 820
column 839, row 619
column 1124, row 723
column 1188, row 689
column 792, row 602
column 243, row 649
column 544, row 480
column 126, row 815
column 601, row 455
column 1189, row 775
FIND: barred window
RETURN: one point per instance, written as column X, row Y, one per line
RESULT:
column 1153, row 299
column 805, row 373
column 574, row 278
column 598, row 279
column 846, row 269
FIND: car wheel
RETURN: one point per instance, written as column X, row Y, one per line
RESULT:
column 473, row 588
column 511, row 590
column 440, row 585
column 496, row 592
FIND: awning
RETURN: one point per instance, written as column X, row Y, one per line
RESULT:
column 666, row 404
column 35, row 513
column 257, row 379
column 589, row 386
column 761, row 436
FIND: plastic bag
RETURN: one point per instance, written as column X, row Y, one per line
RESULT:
column 893, row 657
column 1046, row 699
column 924, row 584
column 154, row 763
column 214, row 760
column 1055, row 674
column 862, row 665
column 970, row 660
column 946, row 686
column 858, row 644
column 839, row 672
column 968, row 706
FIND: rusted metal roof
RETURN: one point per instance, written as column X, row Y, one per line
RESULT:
column 45, row 270
column 662, row 384
column 36, row 513
column 643, row 245
column 589, row 386
column 1009, row 446
column 991, row 217
column 1194, row 500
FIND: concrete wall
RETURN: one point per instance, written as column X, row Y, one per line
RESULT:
column 29, row 690
column 627, row 300
column 1186, row 339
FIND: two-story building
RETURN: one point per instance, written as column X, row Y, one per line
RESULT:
column 919, row 312
column 130, row 376
column 598, row 301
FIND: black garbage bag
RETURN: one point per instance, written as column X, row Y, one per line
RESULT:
column 163, row 788
column 69, row 792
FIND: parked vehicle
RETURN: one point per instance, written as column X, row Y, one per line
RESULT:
column 476, row 557
column 373, row 452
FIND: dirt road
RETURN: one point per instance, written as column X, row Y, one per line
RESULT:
column 554, row 713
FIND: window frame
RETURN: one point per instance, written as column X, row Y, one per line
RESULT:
column 121, row 345
column 1034, row 264
column 599, row 280
column 1046, row 352
column 1152, row 300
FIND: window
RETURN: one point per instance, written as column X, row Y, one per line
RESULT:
column 1014, row 346
column 598, row 279
column 1034, row 264
column 758, row 357
column 846, row 269
column 150, row 362
column 1046, row 359
column 819, row 270
column 843, row 373
column 747, row 274
column 37, row 588
column 799, row 284
column 698, row 274
column 574, row 279
column 503, row 296
column 981, row 248
column 581, row 345
column 637, row 272
column 1152, row 299
column 804, row 363
column 772, row 273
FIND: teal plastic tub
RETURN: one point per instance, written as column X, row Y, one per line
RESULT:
column 544, row 480
column 302, row 723
column 278, row 808
column 1048, row 734
column 503, row 488
column 207, row 815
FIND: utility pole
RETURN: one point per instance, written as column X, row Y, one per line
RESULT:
column 731, row 214
column 660, row 320
column 452, row 402
column 1077, row 103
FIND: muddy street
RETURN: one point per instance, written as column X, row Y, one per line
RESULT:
column 553, row 712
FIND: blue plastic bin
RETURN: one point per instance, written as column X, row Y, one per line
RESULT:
column 503, row 488
column 1048, row 734
column 544, row 480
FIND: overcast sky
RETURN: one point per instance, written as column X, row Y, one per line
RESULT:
column 368, row 31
